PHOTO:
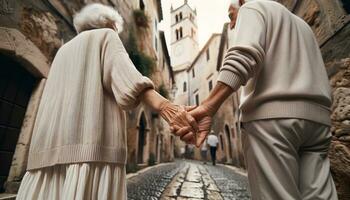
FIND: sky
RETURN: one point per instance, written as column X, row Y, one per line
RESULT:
column 211, row 15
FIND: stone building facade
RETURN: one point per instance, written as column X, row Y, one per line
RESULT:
column 196, row 74
column 202, row 77
column 31, row 32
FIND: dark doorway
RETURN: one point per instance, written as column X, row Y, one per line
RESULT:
column 157, row 147
column 142, row 138
column 142, row 5
column 161, row 151
column 172, row 146
column 16, row 85
column 228, row 136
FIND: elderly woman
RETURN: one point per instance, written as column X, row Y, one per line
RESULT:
column 78, row 149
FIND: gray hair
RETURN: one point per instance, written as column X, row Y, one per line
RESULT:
column 235, row 3
column 94, row 16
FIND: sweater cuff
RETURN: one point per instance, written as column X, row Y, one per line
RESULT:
column 231, row 79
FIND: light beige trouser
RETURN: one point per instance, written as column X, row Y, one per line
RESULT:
column 287, row 160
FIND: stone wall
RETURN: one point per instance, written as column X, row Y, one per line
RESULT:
column 330, row 23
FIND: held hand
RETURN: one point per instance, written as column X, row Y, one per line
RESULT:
column 179, row 118
column 203, row 116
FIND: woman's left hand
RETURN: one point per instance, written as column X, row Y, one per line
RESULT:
column 178, row 118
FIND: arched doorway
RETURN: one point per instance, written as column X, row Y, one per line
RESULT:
column 141, row 138
column 16, row 86
column 228, row 136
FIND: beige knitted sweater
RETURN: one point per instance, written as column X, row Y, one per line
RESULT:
column 80, row 117
column 276, row 57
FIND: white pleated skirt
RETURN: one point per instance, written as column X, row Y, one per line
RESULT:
column 75, row 182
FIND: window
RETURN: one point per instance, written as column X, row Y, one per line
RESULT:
column 197, row 99
column 142, row 5
column 156, row 42
column 193, row 74
column 176, row 18
column 185, row 87
column 346, row 5
column 180, row 15
column 210, row 84
column 177, row 34
column 155, row 34
column 221, row 142
column 156, row 24
column 180, row 32
column 208, row 54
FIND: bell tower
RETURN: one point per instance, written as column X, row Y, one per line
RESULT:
column 184, row 36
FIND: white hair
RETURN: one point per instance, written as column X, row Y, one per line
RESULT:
column 235, row 3
column 95, row 16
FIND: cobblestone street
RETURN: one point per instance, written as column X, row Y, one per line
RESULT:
column 185, row 179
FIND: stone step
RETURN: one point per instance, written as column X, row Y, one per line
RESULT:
column 6, row 196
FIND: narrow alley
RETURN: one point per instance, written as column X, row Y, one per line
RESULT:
column 185, row 179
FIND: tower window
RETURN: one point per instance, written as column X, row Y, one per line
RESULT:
column 177, row 34
column 197, row 99
column 185, row 87
column 210, row 84
column 208, row 54
column 180, row 32
column 193, row 74
column 142, row 5
column 176, row 18
column 180, row 15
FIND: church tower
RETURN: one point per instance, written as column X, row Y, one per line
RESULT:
column 184, row 39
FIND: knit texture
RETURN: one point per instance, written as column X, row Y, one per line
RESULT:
column 276, row 57
column 80, row 116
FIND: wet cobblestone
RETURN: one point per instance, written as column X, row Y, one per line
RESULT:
column 150, row 184
column 233, row 186
column 185, row 180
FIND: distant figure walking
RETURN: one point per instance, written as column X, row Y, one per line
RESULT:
column 204, row 152
column 213, row 143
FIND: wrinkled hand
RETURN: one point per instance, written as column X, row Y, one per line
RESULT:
column 179, row 118
column 202, row 115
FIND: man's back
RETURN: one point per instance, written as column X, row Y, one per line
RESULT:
column 280, row 65
column 213, row 140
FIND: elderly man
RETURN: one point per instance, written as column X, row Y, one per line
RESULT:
column 285, row 102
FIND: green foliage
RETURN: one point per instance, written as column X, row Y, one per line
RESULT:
column 131, row 168
column 141, row 18
column 152, row 159
column 163, row 91
column 143, row 63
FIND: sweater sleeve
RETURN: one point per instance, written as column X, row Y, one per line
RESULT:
column 120, row 76
column 245, row 58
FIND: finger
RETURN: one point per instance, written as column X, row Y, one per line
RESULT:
column 190, row 108
column 183, row 131
column 192, row 122
column 174, row 128
column 181, row 119
column 201, row 137
column 187, row 137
